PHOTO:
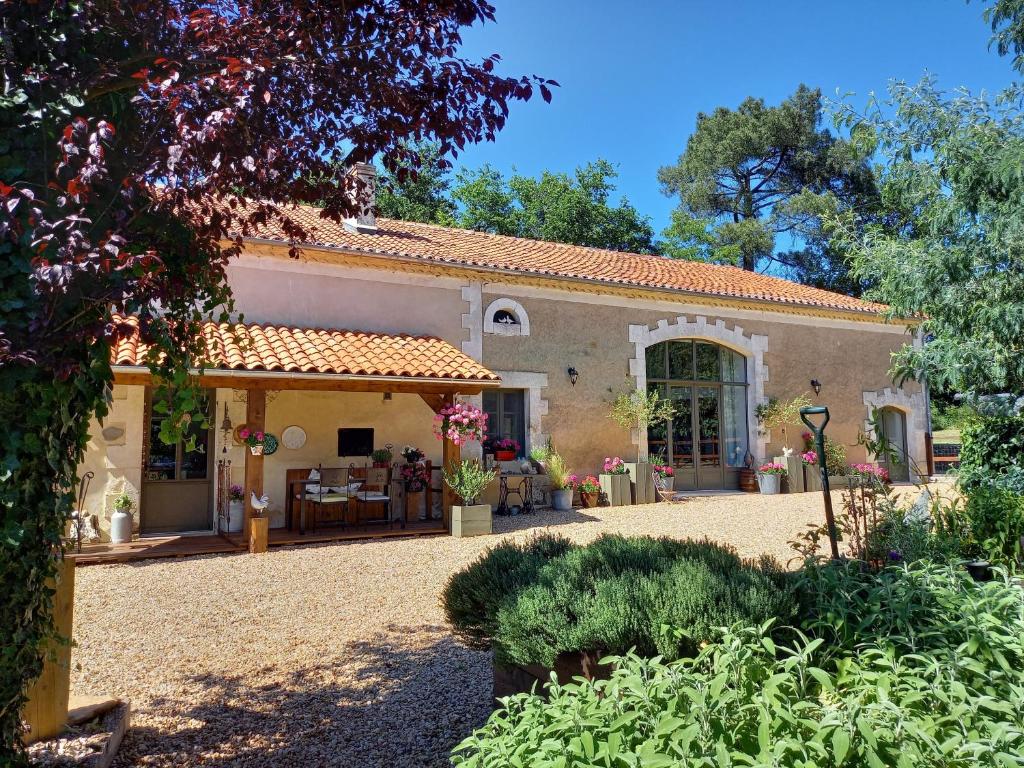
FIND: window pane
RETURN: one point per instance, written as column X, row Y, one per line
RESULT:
column 707, row 362
column 194, row 463
column 680, row 360
column 682, row 427
column 656, row 361
column 161, row 464
column 734, row 432
column 709, row 426
column 734, row 366
column 506, row 416
column 657, row 433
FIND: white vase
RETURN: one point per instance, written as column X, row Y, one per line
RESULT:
column 120, row 527
column 561, row 499
column 236, row 513
column 769, row 484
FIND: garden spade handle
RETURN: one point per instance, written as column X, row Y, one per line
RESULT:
column 819, row 443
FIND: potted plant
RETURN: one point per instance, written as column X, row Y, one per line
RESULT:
column 539, row 457
column 415, row 479
column 634, row 409
column 460, row 423
column 590, row 491
column 381, row 457
column 777, row 414
column 412, row 454
column 769, row 477
column 505, row 449
column 562, row 482
column 665, row 476
column 236, row 508
column 811, row 470
column 121, row 519
column 467, row 481
column 615, row 482
column 254, row 439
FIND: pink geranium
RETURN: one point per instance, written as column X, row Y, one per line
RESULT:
column 460, row 423
column 809, row 457
column 772, row 468
column 614, row 466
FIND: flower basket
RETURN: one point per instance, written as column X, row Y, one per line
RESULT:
column 590, row 500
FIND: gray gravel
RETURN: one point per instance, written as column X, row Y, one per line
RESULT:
column 333, row 654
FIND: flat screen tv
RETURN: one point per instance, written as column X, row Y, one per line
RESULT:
column 355, row 441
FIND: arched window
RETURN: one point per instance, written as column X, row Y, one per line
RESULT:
column 506, row 317
column 707, row 437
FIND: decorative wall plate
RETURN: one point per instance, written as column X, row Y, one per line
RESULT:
column 239, row 428
column 269, row 444
column 293, row 437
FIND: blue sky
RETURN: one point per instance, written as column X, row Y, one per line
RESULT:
column 634, row 75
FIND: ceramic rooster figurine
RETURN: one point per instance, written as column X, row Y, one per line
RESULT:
column 259, row 504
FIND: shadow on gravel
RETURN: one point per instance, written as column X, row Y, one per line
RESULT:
column 380, row 703
column 540, row 520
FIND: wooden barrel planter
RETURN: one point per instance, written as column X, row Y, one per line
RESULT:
column 748, row 480
column 519, row 678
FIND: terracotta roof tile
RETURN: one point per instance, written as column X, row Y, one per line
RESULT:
column 255, row 347
column 462, row 247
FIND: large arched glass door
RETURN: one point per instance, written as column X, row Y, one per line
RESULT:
column 706, row 440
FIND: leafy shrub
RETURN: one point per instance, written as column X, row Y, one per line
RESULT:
column 619, row 592
column 898, row 536
column 916, row 679
column 995, row 518
column 472, row 596
column 992, row 454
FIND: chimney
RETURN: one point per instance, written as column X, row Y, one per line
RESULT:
column 361, row 182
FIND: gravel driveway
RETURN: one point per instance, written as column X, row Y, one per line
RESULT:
column 335, row 654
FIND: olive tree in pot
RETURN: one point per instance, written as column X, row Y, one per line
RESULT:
column 778, row 414
column 468, row 481
column 635, row 409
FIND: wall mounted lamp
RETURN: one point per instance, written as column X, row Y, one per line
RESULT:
column 387, row 397
column 816, row 386
column 573, row 375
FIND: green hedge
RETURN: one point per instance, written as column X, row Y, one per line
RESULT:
column 922, row 668
column 612, row 595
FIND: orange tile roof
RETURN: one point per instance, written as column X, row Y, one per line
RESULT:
column 259, row 347
column 468, row 248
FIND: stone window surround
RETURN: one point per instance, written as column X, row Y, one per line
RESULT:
column 914, row 409
column 502, row 329
column 751, row 346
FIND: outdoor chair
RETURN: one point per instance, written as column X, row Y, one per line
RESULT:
column 666, row 494
column 332, row 489
column 376, row 489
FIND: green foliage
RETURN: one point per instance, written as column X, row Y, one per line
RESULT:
column 992, row 454
column 634, row 409
column 835, row 457
column 468, row 480
column 914, row 667
column 758, row 172
column 615, row 594
column 472, row 596
column 123, row 501
column 556, row 207
column 417, row 189
column 995, row 522
column 1006, row 18
column 557, row 470
column 957, row 265
column 781, row 414
column 899, row 536
column 947, row 415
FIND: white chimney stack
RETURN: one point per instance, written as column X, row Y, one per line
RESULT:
column 361, row 182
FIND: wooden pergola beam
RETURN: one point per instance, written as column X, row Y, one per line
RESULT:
column 255, row 420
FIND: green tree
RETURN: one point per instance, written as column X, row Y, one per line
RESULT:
column 417, row 187
column 760, row 172
column 955, row 161
column 573, row 209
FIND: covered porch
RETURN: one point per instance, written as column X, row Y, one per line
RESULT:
column 325, row 386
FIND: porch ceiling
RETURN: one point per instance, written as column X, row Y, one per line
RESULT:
column 255, row 356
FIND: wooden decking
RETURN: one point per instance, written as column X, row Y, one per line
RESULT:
column 211, row 544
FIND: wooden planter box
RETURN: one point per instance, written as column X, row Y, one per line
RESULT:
column 471, row 521
column 794, row 465
column 641, row 482
column 518, row 678
column 617, row 489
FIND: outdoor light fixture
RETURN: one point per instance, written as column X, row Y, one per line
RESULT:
column 573, row 375
column 226, row 427
column 816, row 386
column 387, row 397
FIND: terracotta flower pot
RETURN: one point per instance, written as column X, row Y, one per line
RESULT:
column 504, row 455
column 590, row 500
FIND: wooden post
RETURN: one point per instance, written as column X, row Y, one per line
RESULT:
column 259, row 534
column 451, row 457
column 255, row 420
column 46, row 711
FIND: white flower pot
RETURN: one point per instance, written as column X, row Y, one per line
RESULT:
column 120, row 527
column 257, row 450
column 236, row 515
column 769, row 484
column 561, row 499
